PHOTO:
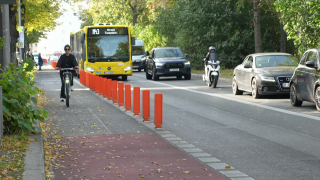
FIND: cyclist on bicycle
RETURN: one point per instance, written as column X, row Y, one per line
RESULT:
column 66, row 60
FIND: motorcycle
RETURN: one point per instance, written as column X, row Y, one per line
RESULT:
column 212, row 72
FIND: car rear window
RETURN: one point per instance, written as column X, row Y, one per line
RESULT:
column 275, row 60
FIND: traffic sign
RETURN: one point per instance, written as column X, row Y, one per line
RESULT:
column 8, row 2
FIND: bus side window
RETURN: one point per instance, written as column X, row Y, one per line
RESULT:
column 84, row 57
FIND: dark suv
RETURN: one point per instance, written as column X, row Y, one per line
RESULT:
column 305, row 82
column 168, row 61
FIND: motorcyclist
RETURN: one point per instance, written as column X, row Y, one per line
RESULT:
column 212, row 55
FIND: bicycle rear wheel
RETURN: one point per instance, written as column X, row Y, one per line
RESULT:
column 67, row 94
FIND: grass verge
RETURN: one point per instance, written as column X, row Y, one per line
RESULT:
column 226, row 73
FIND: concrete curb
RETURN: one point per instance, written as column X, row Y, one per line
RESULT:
column 34, row 167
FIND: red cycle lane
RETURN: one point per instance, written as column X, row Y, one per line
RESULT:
column 128, row 157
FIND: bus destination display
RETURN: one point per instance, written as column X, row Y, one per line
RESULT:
column 108, row 31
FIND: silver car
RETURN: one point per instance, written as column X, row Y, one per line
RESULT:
column 264, row 74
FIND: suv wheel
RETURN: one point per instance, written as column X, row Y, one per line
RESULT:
column 154, row 74
column 187, row 76
column 293, row 96
column 317, row 98
column 148, row 76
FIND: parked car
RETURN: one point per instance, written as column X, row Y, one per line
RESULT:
column 138, row 55
column 264, row 74
column 305, row 82
column 167, row 61
column 54, row 58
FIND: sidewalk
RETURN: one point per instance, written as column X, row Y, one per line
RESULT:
column 101, row 141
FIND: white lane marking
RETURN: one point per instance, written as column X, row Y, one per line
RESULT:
column 100, row 120
column 243, row 102
column 76, row 81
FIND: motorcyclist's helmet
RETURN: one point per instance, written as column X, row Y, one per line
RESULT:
column 211, row 48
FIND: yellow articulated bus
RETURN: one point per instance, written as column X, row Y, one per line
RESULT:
column 103, row 49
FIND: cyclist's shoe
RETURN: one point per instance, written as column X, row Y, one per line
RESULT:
column 71, row 88
column 62, row 99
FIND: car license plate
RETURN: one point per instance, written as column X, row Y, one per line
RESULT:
column 286, row 85
column 108, row 72
column 175, row 69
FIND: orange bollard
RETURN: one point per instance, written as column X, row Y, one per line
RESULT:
column 90, row 81
column 121, row 94
column 95, row 83
column 158, row 110
column 109, row 89
column 84, row 78
column 128, row 97
column 87, row 79
column 146, row 105
column 80, row 78
column 114, row 91
column 136, row 100
column 100, row 86
column 104, row 87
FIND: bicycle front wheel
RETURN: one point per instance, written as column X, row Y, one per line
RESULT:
column 67, row 94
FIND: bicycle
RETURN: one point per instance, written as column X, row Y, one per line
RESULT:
column 67, row 75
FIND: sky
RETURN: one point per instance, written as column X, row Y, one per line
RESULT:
column 60, row 36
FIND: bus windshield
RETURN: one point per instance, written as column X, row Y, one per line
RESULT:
column 108, row 48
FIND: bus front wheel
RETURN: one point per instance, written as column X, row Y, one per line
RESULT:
column 124, row 78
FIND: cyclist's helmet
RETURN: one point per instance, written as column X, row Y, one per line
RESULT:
column 211, row 48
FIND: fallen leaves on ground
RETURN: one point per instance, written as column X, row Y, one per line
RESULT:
column 12, row 153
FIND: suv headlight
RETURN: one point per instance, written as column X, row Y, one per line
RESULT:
column 159, row 64
column 266, row 78
column 128, row 68
column 90, row 69
column 187, row 63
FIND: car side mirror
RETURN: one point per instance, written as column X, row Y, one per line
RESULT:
column 187, row 55
column 247, row 66
column 147, row 53
column 133, row 41
column 310, row 64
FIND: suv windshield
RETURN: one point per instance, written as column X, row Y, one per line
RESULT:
column 138, row 50
column 108, row 48
column 168, row 53
column 275, row 60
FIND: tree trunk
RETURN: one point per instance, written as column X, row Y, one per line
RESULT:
column 14, row 34
column 134, row 18
column 257, row 27
column 283, row 39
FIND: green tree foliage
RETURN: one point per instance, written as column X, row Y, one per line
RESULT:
column 301, row 21
column 19, row 104
column 86, row 17
column 40, row 17
column 195, row 25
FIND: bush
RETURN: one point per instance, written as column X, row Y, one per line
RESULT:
column 19, row 104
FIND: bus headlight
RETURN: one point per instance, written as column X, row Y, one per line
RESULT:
column 90, row 69
column 128, row 68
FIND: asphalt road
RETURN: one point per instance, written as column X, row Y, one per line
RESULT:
column 265, row 138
